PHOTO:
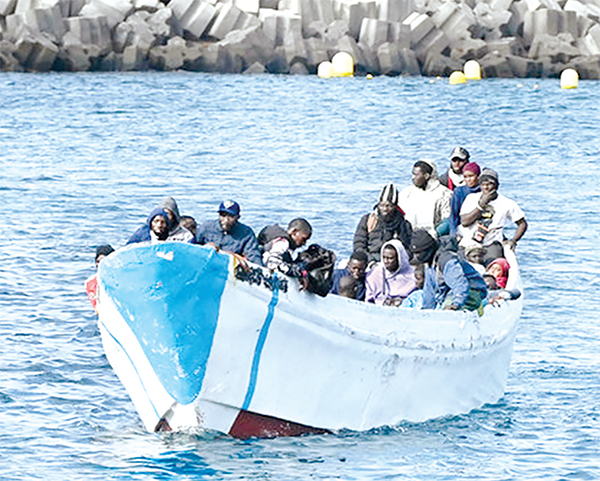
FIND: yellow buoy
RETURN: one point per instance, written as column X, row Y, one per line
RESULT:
column 457, row 77
column 569, row 79
column 369, row 76
column 325, row 70
column 343, row 65
column 472, row 70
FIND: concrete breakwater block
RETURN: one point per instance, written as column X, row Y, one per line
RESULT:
column 250, row 45
column 115, row 11
column 231, row 18
column 353, row 12
column 90, row 31
column 194, row 16
column 35, row 52
column 377, row 32
column 276, row 24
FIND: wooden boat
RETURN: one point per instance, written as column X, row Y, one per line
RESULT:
column 199, row 341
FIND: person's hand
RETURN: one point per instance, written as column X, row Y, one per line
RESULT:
column 451, row 307
column 214, row 246
column 511, row 243
column 487, row 197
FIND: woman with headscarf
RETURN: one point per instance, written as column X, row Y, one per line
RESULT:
column 499, row 269
column 470, row 175
column 392, row 279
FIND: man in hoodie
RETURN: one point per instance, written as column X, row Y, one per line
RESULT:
column 385, row 223
column 451, row 283
column 453, row 177
column 426, row 203
column 157, row 228
column 229, row 234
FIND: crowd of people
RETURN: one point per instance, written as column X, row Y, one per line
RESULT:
column 436, row 244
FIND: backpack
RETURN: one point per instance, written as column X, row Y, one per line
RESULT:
column 318, row 262
column 268, row 234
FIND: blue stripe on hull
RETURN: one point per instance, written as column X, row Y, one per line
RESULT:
column 145, row 282
column 262, row 337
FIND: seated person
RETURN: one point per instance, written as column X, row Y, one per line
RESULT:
column 229, row 234
column 415, row 298
column 392, row 279
column 484, row 216
column 386, row 222
column 499, row 270
column 157, row 229
column 490, row 282
column 356, row 268
column 177, row 231
column 278, row 246
column 348, row 287
column 189, row 223
column 474, row 254
column 471, row 173
column 450, row 281
column 91, row 283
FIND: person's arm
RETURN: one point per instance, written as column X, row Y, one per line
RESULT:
column 361, row 236
column 455, row 279
column 521, row 229
column 428, row 290
column 251, row 251
column 469, row 218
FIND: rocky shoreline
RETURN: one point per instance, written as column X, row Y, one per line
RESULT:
column 509, row 38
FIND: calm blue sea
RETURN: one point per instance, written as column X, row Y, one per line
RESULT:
column 85, row 157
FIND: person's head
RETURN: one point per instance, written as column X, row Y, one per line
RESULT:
column 420, row 276
column 189, row 223
column 423, row 246
column 300, row 231
column 471, row 173
column 490, row 282
column 357, row 265
column 488, row 181
column 458, row 159
column 394, row 256
column 474, row 254
column 159, row 223
column 421, row 174
column 348, row 287
column 499, row 269
column 229, row 213
column 170, row 207
column 387, row 203
column 102, row 251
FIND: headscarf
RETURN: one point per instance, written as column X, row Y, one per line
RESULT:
column 503, row 277
column 472, row 167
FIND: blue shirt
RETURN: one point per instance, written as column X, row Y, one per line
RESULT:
column 458, row 197
column 239, row 240
column 337, row 277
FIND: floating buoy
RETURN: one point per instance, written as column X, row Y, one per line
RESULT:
column 457, row 77
column 569, row 79
column 325, row 70
column 472, row 70
column 343, row 65
column 369, row 76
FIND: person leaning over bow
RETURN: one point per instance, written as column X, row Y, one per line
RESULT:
column 426, row 203
column 279, row 245
column 229, row 234
column 453, row 177
column 484, row 216
column 385, row 223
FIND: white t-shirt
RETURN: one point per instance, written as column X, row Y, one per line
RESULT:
column 502, row 210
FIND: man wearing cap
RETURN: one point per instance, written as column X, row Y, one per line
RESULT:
column 426, row 203
column 484, row 216
column 230, row 235
column 385, row 223
column 453, row 177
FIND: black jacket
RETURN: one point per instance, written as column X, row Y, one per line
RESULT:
column 371, row 242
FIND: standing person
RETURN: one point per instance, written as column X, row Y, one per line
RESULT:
column 484, row 216
column 471, row 173
column 392, row 279
column 426, row 203
column 453, row 177
column 278, row 246
column 385, row 223
column 229, row 234
column 356, row 268
column 451, row 283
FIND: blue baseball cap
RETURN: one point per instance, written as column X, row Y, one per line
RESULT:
column 229, row 207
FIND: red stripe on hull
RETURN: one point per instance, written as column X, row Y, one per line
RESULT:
column 249, row 425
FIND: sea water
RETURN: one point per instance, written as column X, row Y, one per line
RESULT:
column 84, row 158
